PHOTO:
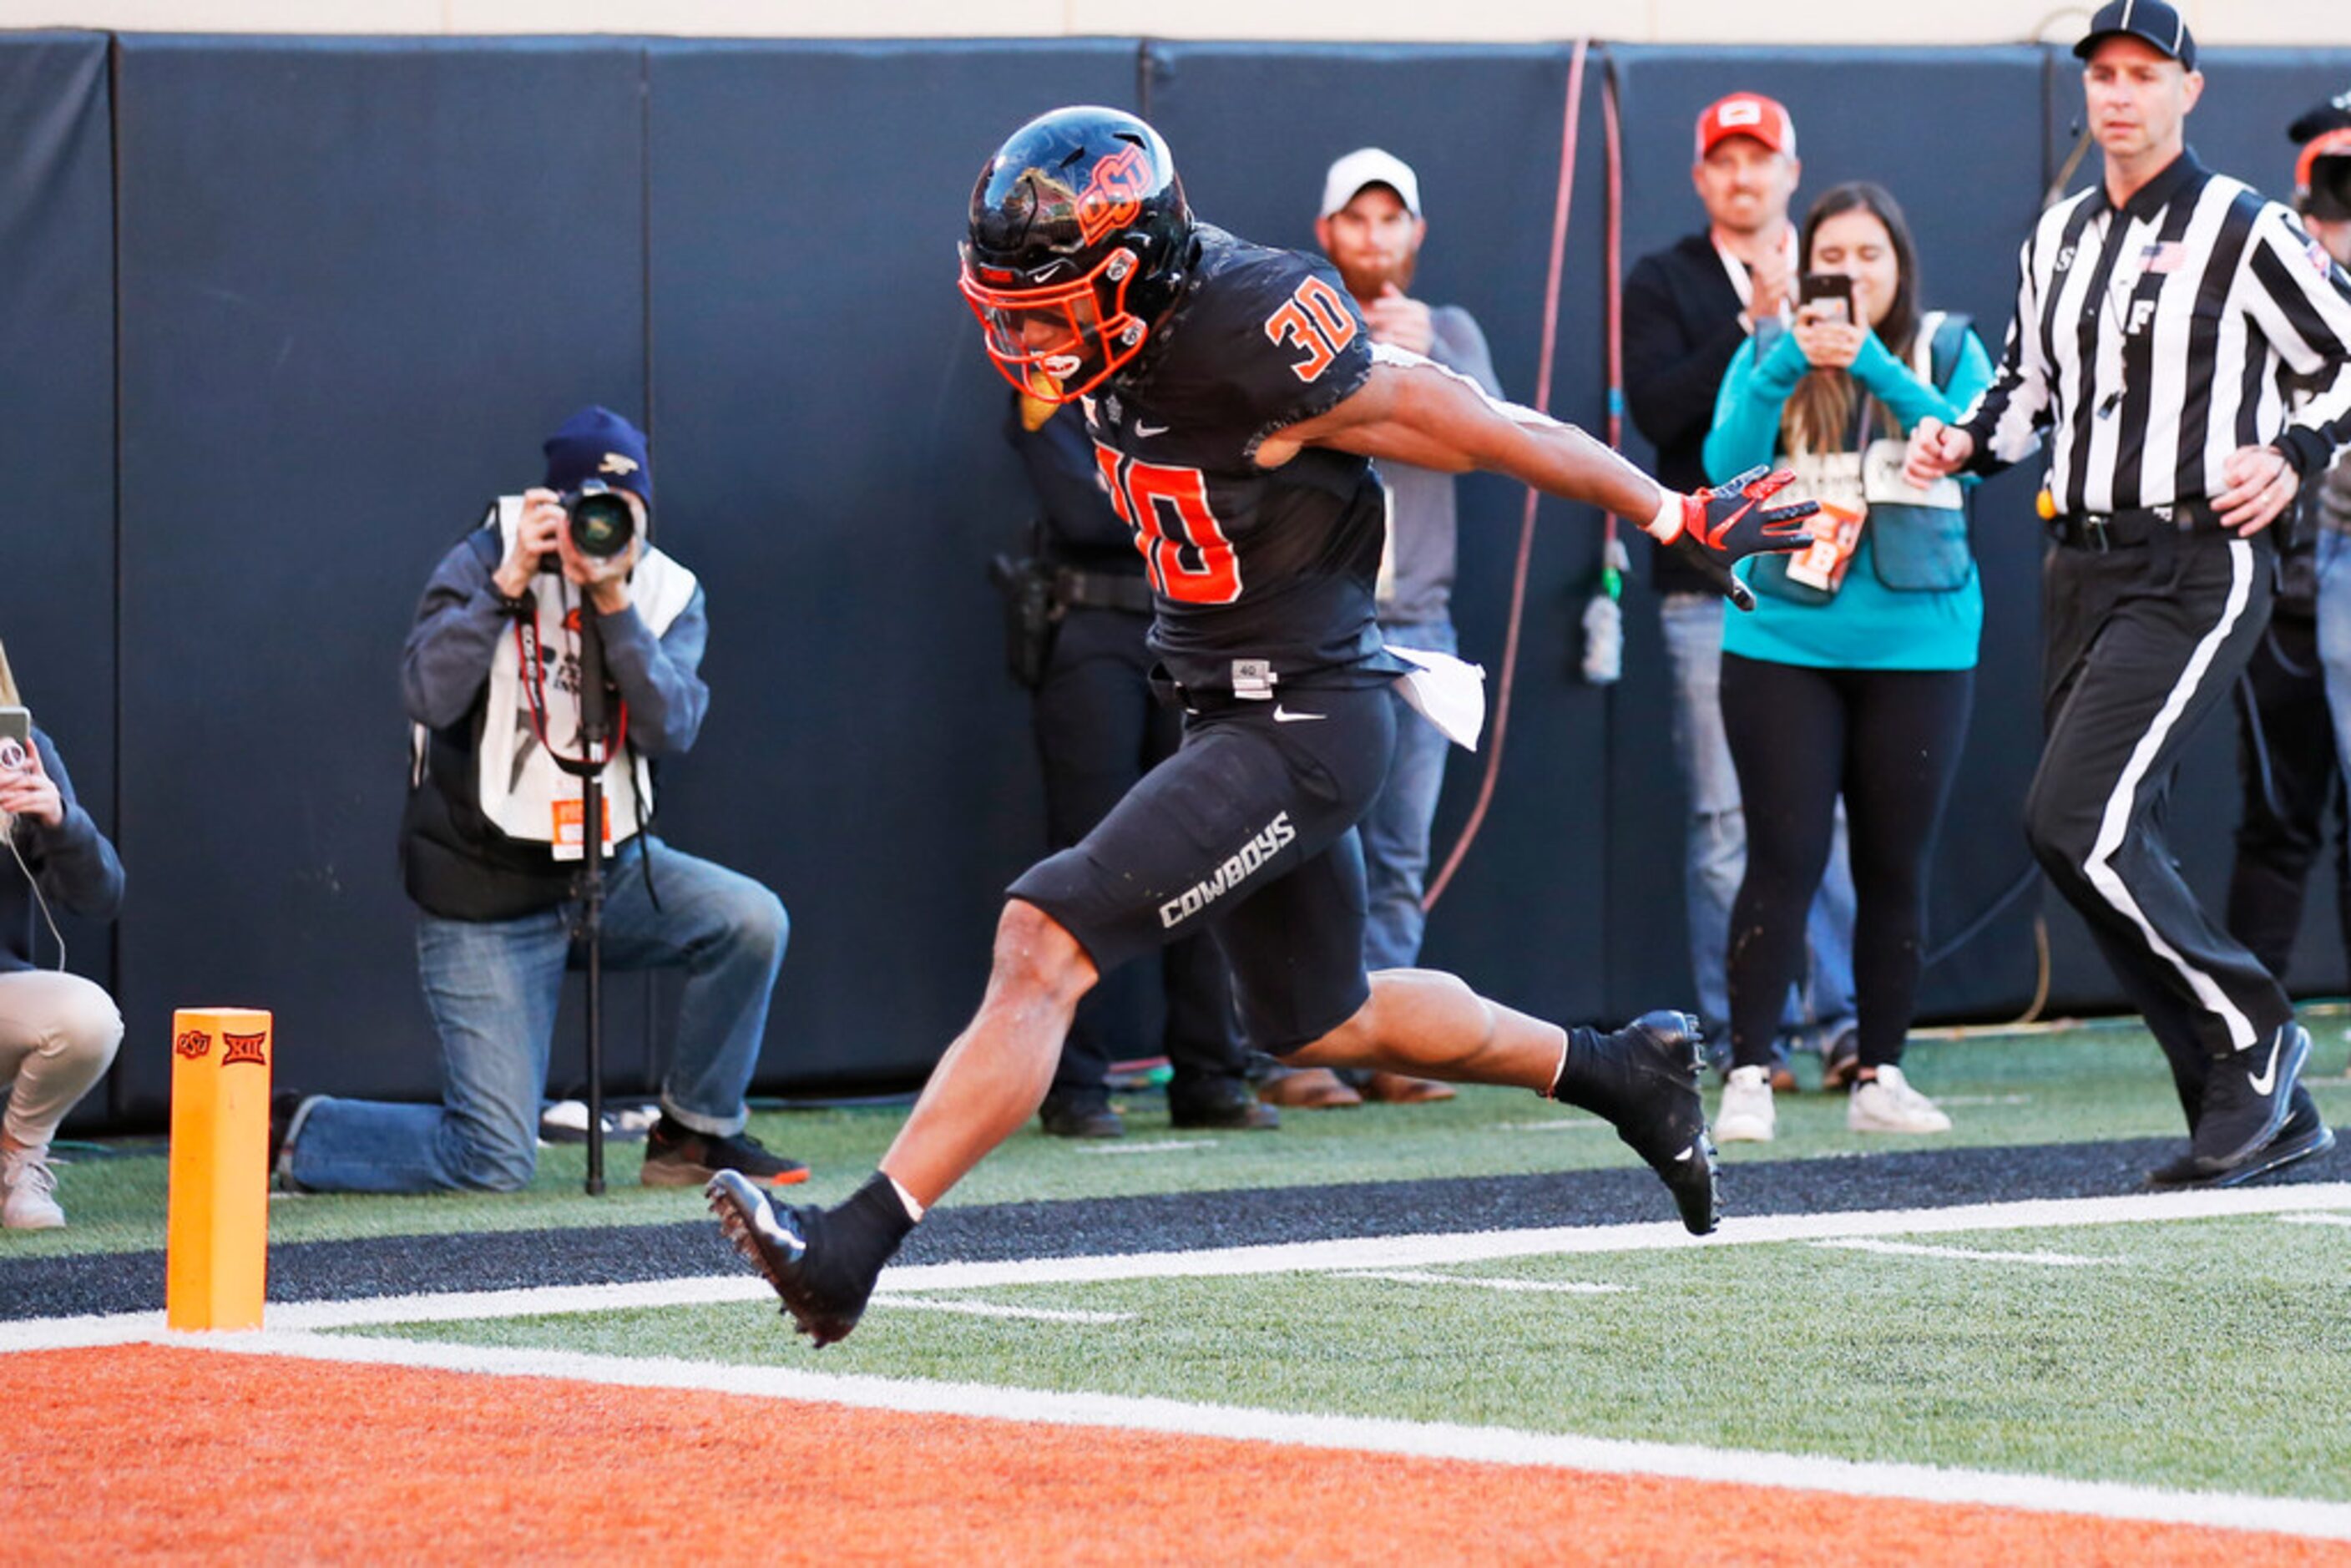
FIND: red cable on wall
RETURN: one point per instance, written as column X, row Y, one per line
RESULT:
column 1504, row 683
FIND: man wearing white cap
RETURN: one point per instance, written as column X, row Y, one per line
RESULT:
column 1371, row 227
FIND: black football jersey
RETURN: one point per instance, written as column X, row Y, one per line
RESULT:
column 1263, row 577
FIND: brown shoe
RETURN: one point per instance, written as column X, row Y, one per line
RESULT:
column 1396, row 1089
column 1307, row 1089
column 1841, row 1061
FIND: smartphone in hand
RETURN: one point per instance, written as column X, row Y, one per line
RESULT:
column 15, row 735
column 1828, row 296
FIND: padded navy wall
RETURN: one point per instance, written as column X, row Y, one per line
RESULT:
column 359, row 281
column 831, row 463
column 56, row 410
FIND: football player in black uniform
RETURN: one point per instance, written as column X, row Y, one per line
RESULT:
column 1234, row 396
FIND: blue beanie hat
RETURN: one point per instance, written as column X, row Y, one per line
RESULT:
column 597, row 443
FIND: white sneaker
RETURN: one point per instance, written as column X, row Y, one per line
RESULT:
column 1888, row 1104
column 1745, row 1114
column 31, row 1187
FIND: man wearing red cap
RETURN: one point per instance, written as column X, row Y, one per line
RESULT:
column 1687, row 310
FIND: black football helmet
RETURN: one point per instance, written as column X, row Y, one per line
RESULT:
column 1080, row 238
column 2321, row 176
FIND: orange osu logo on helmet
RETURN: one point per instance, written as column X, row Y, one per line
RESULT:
column 1114, row 197
column 191, row 1043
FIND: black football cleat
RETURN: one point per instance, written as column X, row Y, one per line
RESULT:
column 2247, row 1096
column 1644, row 1079
column 2305, row 1133
column 782, row 1242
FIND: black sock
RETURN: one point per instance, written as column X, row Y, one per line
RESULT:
column 1582, row 1082
column 869, row 1224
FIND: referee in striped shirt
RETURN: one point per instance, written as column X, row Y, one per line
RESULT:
column 2155, row 316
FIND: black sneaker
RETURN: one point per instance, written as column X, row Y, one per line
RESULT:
column 1644, row 1079
column 2247, row 1096
column 1080, row 1116
column 2306, row 1134
column 822, row 1262
column 677, row 1155
column 1224, row 1104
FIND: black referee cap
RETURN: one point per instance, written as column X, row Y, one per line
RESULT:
column 2149, row 20
column 2334, row 114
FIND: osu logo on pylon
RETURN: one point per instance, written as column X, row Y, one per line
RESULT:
column 244, row 1047
column 1114, row 197
column 192, row 1044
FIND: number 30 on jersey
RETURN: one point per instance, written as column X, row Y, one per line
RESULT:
column 1184, row 549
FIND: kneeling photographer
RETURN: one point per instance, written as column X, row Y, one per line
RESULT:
column 57, row 1032
column 556, row 592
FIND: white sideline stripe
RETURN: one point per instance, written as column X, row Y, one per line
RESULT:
column 1487, row 1281
column 1561, row 1124
column 1163, row 1147
column 1983, row 1099
column 990, row 1310
column 1303, row 1257
column 1436, row 1440
column 2314, row 1219
column 1911, row 1249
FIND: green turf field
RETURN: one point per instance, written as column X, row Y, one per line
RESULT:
column 2098, row 1081
column 2205, row 1355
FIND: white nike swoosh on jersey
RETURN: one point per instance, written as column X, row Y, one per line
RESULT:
column 1148, row 430
column 1283, row 715
column 2265, row 1080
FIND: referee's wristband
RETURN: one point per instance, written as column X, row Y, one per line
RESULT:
column 2302, row 450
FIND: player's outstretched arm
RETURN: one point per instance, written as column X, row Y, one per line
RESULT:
column 1418, row 412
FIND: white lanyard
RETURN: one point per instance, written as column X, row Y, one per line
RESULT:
column 1737, row 268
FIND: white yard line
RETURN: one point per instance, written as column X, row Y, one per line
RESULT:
column 1301, row 1257
column 990, row 1310
column 1487, row 1281
column 2315, row 1218
column 1435, row 1439
column 1557, row 1124
column 1162, row 1146
column 1912, row 1250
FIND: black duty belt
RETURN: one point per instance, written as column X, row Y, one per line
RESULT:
column 2103, row 531
column 1102, row 590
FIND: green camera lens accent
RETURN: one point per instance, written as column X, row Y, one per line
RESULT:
column 601, row 523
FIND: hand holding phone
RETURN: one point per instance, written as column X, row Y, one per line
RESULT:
column 26, row 788
column 1825, row 325
column 1826, row 297
column 16, row 737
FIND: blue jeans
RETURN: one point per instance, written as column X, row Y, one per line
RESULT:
column 1395, row 830
column 1821, row 1005
column 492, row 987
column 2334, row 631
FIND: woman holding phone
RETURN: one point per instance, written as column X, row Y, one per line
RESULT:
column 57, row 1032
column 1855, row 672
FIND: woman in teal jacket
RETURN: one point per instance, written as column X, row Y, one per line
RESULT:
column 1855, row 672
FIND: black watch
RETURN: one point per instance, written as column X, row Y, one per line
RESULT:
column 514, row 609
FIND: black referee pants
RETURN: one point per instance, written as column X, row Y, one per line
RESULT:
column 2139, row 646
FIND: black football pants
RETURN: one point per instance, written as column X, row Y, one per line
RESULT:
column 2287, row 762
column 2139, row 646
column 1098, row 729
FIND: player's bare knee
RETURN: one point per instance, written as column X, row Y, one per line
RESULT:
column 1037, row 959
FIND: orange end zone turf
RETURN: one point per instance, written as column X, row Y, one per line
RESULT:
column 150, row 1451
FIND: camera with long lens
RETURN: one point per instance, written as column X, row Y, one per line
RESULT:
column 600, row 520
